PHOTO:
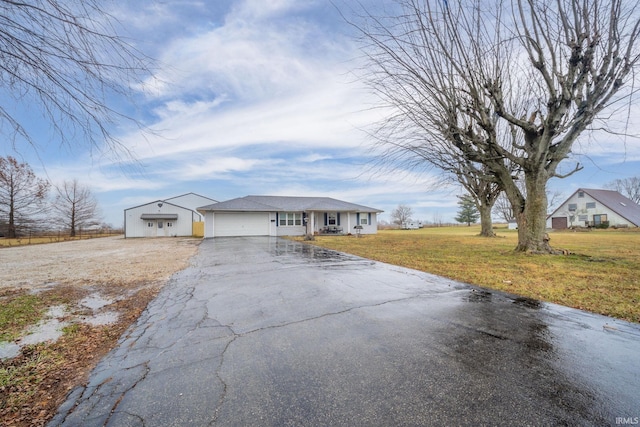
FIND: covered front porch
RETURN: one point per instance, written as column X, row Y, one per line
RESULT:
column 331, row 229
column 337, row 223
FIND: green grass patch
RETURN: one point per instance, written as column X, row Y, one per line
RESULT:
column 18, row 312
column 20, row 378
column 601, row 274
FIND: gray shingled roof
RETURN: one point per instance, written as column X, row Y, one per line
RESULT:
column 286, row 204
column 618, row 203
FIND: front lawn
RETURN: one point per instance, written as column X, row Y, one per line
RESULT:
column 601, row 273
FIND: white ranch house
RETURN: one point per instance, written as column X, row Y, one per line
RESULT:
column 591, row 208
column 165, row 218
column 287, row 216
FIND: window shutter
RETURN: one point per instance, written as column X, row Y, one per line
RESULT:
column 277, row 220
column 358, row 218
column 338, row 218
column 326, row 220
column 369, row 219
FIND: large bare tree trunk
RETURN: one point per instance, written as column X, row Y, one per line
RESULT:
column 532, row 220
column 486, row 224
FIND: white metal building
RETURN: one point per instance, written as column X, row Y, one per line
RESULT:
column 165, row 218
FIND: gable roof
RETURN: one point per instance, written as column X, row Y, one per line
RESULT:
column 286, row 204
column 618, row 203
column 171, row 201
column 615, row 201
column 155, row 202
column 190, row 194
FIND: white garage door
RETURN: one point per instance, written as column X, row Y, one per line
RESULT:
column 241, row 224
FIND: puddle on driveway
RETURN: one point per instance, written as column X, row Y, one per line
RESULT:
column 102, row 319
column 95, row 302
column 307, row 252
column 50, row 328
column 9, row 350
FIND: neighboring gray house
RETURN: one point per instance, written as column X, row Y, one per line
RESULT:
column 163, row 218
column 287, row 216
column 590, row 208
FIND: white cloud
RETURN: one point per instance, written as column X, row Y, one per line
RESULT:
column 215, row 168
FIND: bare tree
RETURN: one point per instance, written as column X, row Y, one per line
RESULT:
column 412, row 151
column 509, row 86
column 68, row 59
column 401, row 214
column 483, row 190
column 629, row 187
column 22, row 195
column 76, row 206
column 504, row 210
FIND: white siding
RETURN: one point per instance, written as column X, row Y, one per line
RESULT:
column 209, row 220
column 366, row 228
column 137, row 227
column 581, row 209
column 219, row 224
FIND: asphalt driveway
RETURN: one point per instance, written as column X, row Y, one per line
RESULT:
column 268, row 332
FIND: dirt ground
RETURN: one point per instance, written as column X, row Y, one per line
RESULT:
column 96, row 288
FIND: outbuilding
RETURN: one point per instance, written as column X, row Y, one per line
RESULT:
column 175, row 216
column 287, row 216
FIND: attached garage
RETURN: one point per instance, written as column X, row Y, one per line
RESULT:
column 227, row 224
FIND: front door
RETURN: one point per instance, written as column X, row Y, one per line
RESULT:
column 160, row 228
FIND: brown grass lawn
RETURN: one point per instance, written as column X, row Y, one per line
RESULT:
column 601, row 274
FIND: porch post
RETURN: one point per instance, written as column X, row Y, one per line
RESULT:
column 313, row 222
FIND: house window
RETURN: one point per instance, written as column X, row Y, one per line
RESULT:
column 580, row 193
column 364, row 220
column 573, row 206
column 332, row 219
column 290, row 219
column 149, row 224
column 169, row 224
column 583, row 218
column 591, row 205
column 599, row 219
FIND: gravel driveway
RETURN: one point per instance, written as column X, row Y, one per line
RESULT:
column 113, row 260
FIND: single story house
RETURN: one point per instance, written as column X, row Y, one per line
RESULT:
column 592, row 208
column 175, row 216
column 287, row 216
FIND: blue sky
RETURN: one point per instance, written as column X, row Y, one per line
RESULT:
column 259, row 97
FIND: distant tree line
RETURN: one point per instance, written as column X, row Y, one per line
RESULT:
column 629, row 187
column 28, row 204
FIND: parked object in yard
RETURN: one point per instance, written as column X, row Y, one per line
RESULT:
column 411, row 225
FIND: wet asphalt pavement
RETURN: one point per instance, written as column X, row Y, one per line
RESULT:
column 268, row 332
